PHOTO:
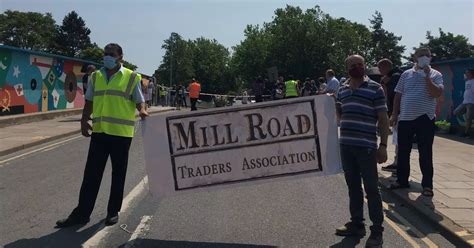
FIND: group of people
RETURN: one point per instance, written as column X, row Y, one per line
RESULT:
column 365, row 109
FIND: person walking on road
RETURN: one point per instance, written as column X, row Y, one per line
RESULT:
column 114, row 94
column 415, row 102
column 467, row 106
column 194, row 91
column 361, row 105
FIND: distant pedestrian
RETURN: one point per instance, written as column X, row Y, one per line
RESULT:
column 308, row 89
column 322, row 85
column 415, row 101
column 163, row 93
column 259, row 88
column 279, row 89
column 114, row 94
column 245, row 97
column 332, row 82
column 179, row 96
column 360, row 108
column 467, row 106
column 291, row 88
column 389, row 80
column 85, row 78
column 194, row 91
column 149, row 95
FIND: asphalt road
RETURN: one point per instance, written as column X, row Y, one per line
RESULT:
column 42, row 186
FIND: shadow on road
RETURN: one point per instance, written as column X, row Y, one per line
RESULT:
column 143, row 243
column 351, row 241
column 66, row 237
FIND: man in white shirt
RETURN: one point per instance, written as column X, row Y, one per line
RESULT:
column 332, row 82
column 414, row 109
column 467, row 106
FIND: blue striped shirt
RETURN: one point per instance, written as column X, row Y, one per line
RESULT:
column 359, row 113
column 416, row 100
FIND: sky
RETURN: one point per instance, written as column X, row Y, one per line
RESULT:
column 141, row 26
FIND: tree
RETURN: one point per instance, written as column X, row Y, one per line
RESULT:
column 448, row 46
column 28, row 30
column 177, row 64
column 299, row 43
column 129, row 65
column 384, row 44
column 93, row 53
column 211, row 66
column 72, row 36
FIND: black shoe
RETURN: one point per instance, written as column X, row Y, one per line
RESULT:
column 111, row 220
column 390, row 168
column 375, row 240
column 70, row 221
column 351, row 229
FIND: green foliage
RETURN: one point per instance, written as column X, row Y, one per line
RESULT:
column 72, row 36
column 204, row 59
column 129, row 65
column 307, row 43
column 448, row 46
column 93, row 53
column 384, row 44
column 27, row 30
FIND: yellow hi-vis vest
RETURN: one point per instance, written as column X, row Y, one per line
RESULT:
column 291, row 89
column 113, row 108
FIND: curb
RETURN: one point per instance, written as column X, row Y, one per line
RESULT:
column 37, row 142
column 56, row 137
column 454, row 231
column 11, row 120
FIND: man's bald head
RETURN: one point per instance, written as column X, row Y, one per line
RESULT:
column 353, row 60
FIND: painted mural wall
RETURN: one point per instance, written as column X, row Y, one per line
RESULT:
column 35, row 82
column 454, row 84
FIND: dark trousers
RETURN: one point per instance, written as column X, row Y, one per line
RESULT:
column 424, row 129
column 360, row 164
column 193, row 103
column 101, row 146
column 258, row 98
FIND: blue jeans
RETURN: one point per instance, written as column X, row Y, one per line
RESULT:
column 360, row 164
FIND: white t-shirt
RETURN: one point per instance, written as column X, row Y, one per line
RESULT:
column 469, row 92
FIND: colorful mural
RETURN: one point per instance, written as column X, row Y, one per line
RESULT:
column 454, row 83
column 39, row 82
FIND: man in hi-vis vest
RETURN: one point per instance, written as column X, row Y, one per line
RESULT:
column 113, row 95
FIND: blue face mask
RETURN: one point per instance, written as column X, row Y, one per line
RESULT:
column 110, row 62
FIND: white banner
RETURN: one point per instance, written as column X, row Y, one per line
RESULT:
column 252, row 143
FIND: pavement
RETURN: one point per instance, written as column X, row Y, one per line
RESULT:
column 16, row 137
column 451, row 208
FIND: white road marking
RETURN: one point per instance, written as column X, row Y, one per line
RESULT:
column 407, row 224
column 44, row 148
column 140, row 231
column 95, row 240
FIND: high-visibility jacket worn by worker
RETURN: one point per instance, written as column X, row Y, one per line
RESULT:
column 113, row 108
column 291, row 88
column 194, row 90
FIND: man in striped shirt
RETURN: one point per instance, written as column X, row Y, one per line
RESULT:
column 360, row 106
column 415, row 101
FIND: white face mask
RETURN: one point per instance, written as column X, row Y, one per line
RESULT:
column 423, row 61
